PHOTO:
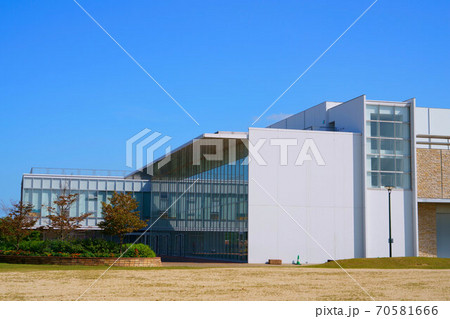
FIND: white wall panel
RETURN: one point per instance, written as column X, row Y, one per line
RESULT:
column 377, row 219
column 325, row 200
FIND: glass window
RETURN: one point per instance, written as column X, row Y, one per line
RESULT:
column 46, row 198
column 74, row 208
column 83, row 203
column 373, row 163
column 402, row 114
column 403, row 180
column 387, row 179
column 101, row 198
column 402, row 130
column 387, row 164
column 373, row 146
column 373, row 129
column 92, row 203
column 403, row 164
column 387, row 129
column 402, row 147
column 372, row 112
column 386, row 113
column 36, row 200
column 27, row 196
column 387, row 146
column 373, row 179
column 406, row 181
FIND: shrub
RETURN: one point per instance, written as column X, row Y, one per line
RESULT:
column 65, row 246
column 36, row 246
column 76, row 248
column 99, row 246
column 4, row 245
column 138, row 250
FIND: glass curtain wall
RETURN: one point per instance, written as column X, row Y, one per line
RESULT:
column 388, row 146
column 209, row 219
column 43, row 191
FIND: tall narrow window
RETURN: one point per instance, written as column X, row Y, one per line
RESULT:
column 388, row 146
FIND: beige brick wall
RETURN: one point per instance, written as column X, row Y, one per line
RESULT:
column 427, row 230
column 446, row 173
column 433, row 173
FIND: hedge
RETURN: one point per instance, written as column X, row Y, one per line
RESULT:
column 75, row 248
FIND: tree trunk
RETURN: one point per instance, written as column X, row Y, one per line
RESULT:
column 17, row 243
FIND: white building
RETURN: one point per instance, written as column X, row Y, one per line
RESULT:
column 312, row 185
column 341, row 209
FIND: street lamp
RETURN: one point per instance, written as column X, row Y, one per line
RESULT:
column 391, row 240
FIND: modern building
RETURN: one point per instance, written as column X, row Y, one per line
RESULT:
column 312, row 185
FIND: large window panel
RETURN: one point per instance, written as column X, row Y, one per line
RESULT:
column 402, row 130
column 372, row 112
column 403, row 164
column 373, row 163
column 402, row 147
column 373, row 146
column 387, row 129
column 387, row 146
column 373, row 129
column 386, row 113
column 387, row 179
column 373, row 179
column 401, row 114
column 387, row 163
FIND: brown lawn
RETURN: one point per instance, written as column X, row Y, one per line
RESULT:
column 221, row 282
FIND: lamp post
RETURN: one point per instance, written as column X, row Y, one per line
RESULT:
column 391, row 240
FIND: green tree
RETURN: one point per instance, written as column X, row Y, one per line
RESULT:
column 18, row 223
column 121, row 217
column 60, row 221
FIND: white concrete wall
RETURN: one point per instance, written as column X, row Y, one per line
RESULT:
column 325, row 200
column 432, row 121
column 377, row 219
column 349, row 116
column 315, row 117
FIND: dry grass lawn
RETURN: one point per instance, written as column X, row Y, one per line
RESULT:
column 225, row 282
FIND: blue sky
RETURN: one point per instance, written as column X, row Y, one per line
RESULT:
column 70, row 97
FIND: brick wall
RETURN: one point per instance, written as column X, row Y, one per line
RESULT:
column 433, row 173
column 427, row 230
column 99, row 261
column 446, row 173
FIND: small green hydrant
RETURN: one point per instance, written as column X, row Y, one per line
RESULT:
column 298, row 260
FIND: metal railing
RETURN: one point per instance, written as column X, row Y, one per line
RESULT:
column 79, row 171
column 434, row 141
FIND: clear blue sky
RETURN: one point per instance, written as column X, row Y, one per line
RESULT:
column 70, row 97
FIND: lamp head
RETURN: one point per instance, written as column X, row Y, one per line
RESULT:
column 389, row 188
